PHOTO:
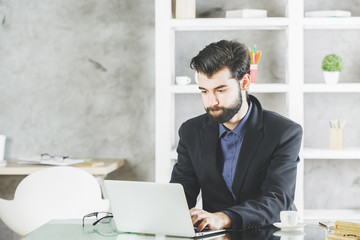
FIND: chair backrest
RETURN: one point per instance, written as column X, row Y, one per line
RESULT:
column 52, row 193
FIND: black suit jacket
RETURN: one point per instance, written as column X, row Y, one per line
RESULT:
column 265, row 176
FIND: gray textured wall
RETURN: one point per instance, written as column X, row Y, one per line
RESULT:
column 77, row 78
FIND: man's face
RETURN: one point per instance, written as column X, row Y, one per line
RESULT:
column 221, row 95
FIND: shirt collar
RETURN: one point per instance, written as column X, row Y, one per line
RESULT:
column 240, row 128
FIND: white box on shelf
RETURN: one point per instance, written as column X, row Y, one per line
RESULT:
column 328, row 13
column 246, row 13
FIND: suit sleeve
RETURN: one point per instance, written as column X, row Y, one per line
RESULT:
column 183, row 171
column 278, row 188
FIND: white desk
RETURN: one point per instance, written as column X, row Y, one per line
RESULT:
column 73, row 230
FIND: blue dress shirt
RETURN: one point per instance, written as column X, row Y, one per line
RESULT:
column 231, row 142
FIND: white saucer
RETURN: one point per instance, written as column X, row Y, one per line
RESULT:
column 295, row 233
column 289, row 228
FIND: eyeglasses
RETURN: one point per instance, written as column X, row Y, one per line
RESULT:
column 105, row 228
column 103, row 217
column 46, row 156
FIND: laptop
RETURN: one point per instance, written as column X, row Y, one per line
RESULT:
column 155, row 208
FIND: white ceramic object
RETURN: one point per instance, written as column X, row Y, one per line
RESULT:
column 182, row 80
column 289, row 228
column 289, row 218
column 331, row 77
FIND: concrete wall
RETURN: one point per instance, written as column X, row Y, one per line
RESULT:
column 77, row 79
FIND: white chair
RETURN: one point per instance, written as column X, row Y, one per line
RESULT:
column 52, row 193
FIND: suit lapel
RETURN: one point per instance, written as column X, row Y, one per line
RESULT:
column 252, row 139
column 209, row 147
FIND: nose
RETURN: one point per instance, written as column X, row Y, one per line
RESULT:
column 212, row 100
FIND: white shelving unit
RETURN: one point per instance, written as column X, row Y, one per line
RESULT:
column 294, row 87
column 332, row 23
column 331, row 88
column 201, row 24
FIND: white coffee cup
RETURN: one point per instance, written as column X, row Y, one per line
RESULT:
column 182, row 80
column 289, row 218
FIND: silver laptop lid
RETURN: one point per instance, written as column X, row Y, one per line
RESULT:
column 146, row 207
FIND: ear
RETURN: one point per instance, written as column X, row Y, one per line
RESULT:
column 245, row 82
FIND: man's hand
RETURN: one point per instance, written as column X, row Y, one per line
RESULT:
column 214, row 221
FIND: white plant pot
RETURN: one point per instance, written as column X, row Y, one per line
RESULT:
column 331, row 77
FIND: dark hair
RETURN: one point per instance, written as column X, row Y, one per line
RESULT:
column 215, row 56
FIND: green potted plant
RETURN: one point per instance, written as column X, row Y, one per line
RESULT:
column 332, row 65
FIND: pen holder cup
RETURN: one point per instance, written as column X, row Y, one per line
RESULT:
column 336, row 138
column 253, row 72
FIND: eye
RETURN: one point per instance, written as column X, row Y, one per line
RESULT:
column 203, row 91
column 221, row 90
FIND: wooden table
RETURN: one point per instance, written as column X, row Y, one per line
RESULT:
column 97, row 167
column 101, row 167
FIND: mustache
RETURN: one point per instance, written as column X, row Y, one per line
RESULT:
column 208, row 109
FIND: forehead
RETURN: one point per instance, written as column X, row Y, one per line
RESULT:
column 222, row 77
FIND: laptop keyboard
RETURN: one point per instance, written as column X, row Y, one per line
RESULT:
column 206, row 229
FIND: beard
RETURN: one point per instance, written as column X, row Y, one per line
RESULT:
column 227, row 113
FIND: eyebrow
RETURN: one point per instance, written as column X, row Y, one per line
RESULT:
column 218, row 87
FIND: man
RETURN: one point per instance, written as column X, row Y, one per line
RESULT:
column 243, row 158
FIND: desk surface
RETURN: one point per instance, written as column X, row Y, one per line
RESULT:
column 12, row 168
column 72, row 229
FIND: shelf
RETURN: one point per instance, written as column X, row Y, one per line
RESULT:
column 213, row 24
column 323, row 87
column 254, row 88
column 191, row 88
column 276, row 23
column 268, row 88
column 318, row 153
column 332, row 214
column 332, row 23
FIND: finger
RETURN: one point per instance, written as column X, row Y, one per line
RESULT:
column 197, row 216
column 194, row 211
column 203, row 224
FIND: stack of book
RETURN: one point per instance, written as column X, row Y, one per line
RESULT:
column 344, row 230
